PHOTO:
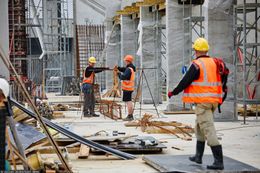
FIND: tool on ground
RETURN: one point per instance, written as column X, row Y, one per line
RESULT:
column 116, row 133
column 147, row 142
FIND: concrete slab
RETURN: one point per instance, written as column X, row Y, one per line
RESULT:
column 171, row 163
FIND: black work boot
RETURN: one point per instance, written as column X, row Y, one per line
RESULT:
column 129, row 118
column 94, row 115
column 218, row 158
column 199, row 153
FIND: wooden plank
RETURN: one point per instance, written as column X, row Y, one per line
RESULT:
column 179, row 112
column 83, row 152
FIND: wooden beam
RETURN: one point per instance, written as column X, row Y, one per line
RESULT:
column 83, row 152
column 128, row 10
column 149, row 2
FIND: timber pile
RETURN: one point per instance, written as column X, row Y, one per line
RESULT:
column 147, row 125
column 115, row 91
column 251, row 110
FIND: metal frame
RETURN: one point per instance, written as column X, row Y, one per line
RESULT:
column 246, row 57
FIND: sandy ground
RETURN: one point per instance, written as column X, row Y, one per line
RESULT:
column 240, row 142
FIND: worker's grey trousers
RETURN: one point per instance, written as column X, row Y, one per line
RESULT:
column 204, row 125
column 89, row 101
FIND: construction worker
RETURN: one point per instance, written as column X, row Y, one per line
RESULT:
column 202, row 86
column 128, row 84
column 88, row 88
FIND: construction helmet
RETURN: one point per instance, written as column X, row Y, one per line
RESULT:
column 201, row 44
column 129, row 58
column 92, row 60
column 4, row 87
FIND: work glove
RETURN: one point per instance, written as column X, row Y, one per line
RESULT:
column 170, row 94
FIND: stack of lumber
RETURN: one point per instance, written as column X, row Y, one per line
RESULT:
column 250, row 110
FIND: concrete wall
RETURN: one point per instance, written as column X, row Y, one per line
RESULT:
column 87, row 14
column 4, row 39
column 113, row 51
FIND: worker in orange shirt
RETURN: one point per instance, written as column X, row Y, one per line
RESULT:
column 88, row 88
column 202, row 86
column 128, row 84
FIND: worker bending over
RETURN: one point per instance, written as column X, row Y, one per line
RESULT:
column 128, row 84
column 88, row 88
column 202, row 86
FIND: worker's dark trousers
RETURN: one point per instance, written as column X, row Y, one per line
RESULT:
column 89, row 101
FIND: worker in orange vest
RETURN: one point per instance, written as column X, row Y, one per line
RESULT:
column 88, row 88
column 128, row 84
column 202, row 86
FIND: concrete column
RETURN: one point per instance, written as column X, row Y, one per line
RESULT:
column 4, row 39
column 174, row 44
column 128, row 29
column 113, row 51
column 219, row 32
column 112, row 41
column 150, row 56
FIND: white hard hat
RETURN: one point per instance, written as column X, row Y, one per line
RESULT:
column 4, row 86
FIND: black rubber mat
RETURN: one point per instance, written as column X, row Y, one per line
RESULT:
column 181, row 163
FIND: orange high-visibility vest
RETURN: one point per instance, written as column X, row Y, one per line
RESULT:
column 129, row 85
column 90, row 79
column 208, row 87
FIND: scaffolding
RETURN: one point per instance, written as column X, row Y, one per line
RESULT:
column 48, row 21
column 17, row 36
column 192, row 28
column 246, row 57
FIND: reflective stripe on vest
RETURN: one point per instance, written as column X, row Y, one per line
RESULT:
column 90, row 79
column 129, row 85
column 206, row 89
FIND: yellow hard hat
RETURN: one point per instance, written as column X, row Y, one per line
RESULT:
column 92, row 60
column 201, row 44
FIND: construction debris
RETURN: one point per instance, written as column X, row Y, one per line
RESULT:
column 75, row 136
column 44, row 109
column 251, row 110
column 148, row 125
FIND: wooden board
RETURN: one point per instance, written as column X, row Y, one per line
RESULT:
column 83, row 152
column 179, row 112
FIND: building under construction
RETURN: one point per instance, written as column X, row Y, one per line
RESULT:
column 46, row 46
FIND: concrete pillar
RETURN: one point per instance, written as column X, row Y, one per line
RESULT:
column 128, row 41
column 4, row 39
column 219, row 32
column 174, row 44
column 113, row 51
column 150, row 47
